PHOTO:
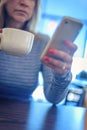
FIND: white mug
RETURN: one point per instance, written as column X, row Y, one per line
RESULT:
column 16, row 42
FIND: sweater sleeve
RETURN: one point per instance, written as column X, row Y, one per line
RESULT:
column 57, row 89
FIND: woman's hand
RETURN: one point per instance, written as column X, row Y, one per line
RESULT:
column 63, row 63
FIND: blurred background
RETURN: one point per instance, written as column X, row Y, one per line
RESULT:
column 51, row 14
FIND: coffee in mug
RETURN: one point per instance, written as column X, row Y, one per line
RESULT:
column 16, row 42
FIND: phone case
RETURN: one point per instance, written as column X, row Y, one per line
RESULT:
column 68, row 29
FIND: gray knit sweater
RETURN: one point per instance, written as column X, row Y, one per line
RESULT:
column 19, row 75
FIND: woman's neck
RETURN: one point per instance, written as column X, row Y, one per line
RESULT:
column 13, row 24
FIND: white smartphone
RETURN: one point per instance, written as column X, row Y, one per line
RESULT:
column 68, row 29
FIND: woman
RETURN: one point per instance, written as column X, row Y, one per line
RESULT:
column 19, row 75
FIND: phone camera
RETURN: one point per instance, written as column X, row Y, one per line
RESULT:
column 66, row 22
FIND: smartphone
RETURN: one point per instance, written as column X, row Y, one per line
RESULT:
column 68, row 29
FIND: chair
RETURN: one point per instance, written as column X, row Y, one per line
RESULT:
column 85, row 98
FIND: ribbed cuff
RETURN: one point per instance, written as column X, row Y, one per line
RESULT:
column 66, row 77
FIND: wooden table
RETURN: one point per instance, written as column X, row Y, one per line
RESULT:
column 15, row 115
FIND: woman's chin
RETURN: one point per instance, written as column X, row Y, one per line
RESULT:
column 20, row 19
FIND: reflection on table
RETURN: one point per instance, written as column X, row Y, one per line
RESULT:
column 15, row 115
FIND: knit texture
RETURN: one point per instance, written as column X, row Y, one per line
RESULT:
column 19, row 75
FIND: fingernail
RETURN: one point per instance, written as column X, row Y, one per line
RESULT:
column 46, row 58
column 51, row 51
